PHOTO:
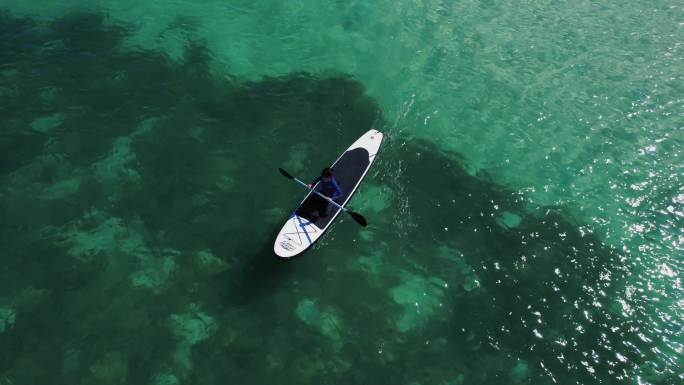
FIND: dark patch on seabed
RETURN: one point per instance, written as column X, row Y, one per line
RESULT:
column 140, row 196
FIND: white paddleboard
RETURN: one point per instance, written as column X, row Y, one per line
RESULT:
column 304, row 227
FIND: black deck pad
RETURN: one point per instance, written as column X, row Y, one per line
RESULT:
column 348, row 170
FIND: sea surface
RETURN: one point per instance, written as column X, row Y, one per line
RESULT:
column 526, row 212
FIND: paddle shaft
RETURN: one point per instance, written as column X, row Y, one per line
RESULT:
column 320, row 195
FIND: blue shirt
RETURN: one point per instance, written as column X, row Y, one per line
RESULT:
column 330, row 189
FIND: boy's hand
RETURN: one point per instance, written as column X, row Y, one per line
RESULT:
column 309, row 186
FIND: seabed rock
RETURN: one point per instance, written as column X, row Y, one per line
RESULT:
column 367, row 235
column 508, row 220
column 46, row 124
column 274, row 214
column 469, row 280
column 225, row 183
column 61, row 189
column 209, row 264
column 108, row 236
column 298, row 158
column 166, row 379
column 520, row 371
column 112, row 369
column 190, row 328
column 98, row 237
column 193, row 326
column 326, row 321
column 7, row 318
column 373, row 198
column 471, row 283
column 30, row 298
column 458, row 380
column 420, row 297
column 114, row 168
column 49, row 94
column 372, row 262
column 156, row 271
column 71, row 361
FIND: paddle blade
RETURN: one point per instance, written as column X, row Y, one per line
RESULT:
column 358, row 218
column 285, row 173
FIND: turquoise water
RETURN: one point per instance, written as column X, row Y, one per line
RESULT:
column 525, row 213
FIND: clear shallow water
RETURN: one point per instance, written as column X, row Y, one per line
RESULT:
column 525, row 215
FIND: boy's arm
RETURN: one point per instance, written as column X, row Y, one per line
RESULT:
column 338, row 190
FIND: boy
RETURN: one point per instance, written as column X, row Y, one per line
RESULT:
column 329, row 187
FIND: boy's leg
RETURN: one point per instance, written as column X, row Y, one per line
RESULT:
column 322, row 207
column 329, row 207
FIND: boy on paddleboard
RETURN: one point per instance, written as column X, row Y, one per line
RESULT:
column 329, row 187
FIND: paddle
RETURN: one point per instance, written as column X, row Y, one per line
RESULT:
column 357, row 217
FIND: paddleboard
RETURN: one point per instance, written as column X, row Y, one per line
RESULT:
column 305, row 227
